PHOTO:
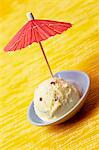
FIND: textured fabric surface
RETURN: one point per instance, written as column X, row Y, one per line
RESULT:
column 22, row 71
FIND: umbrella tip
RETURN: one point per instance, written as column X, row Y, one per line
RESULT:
column 30, row 16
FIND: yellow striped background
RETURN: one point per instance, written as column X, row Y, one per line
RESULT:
column 22, row 71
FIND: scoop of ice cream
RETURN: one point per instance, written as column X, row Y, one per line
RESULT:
column 53, row 98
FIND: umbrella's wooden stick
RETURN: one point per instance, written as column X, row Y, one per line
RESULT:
column 31, row 17
column 46, row 58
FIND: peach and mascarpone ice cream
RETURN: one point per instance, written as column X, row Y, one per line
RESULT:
column 54, row 97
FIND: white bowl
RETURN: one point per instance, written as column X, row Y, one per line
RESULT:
column 82, row 81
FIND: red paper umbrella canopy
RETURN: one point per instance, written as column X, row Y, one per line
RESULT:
column 36, row 31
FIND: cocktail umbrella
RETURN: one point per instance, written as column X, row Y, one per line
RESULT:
column 36, row 31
